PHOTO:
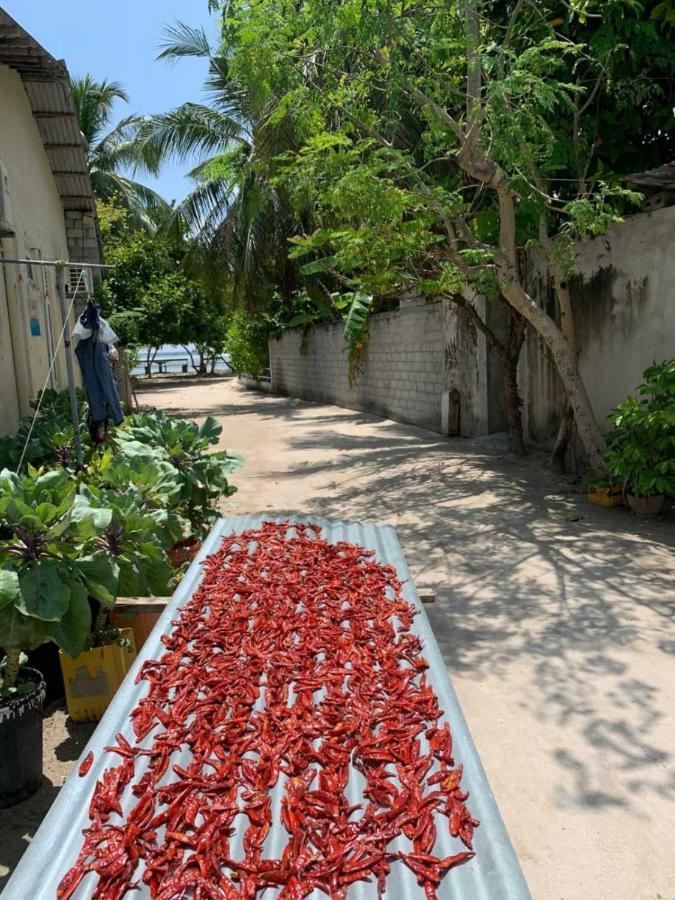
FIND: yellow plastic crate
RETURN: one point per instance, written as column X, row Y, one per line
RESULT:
column 140, row 623
column 605, row 496
column 92, row 678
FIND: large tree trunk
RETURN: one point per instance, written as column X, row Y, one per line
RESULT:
column 512, row 407
column 512, row 401
column 565, row 363
column 563, row 438
column 566, row 430
column 564, row 356
column 481, row 167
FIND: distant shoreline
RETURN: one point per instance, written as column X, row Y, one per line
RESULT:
column 178, row 356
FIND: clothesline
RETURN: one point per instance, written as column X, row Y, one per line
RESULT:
column 49, row 374
column 54, row 262
column 60, row 266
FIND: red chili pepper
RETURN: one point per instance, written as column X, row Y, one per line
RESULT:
column 292, row 663
column 86, row 764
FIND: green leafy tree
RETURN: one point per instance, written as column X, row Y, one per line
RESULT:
column 241, row 214
column 151, row 296
column 491, row 125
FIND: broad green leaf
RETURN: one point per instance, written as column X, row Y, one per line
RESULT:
column 52, row 479
column 43, row 594
column 71, row 632
column 9, row 587
column 100, row 576
column 211, row 429
column 17, row 630
column 83, row 513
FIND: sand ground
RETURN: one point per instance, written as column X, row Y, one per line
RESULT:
column 555, row 620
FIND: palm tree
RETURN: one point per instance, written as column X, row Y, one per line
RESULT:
column 236, row 211
column 111, row 151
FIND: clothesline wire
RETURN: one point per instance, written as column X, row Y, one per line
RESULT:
column 49, row 373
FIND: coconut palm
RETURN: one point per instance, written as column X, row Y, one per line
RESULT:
column 235, row 209
column 110, row 151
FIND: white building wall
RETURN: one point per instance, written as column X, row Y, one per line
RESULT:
column 27, row 305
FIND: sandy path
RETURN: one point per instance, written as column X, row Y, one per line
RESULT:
column 557, row 630
column 555, row 620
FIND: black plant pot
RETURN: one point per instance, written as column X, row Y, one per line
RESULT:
column 21, row 741
column 46, row 660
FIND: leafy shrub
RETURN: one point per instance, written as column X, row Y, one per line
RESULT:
column 151, row 482
column 50, row 439
column 641, row 445
column 246, row 343
column 202, row 476
column 72, row 542
column 52, row 560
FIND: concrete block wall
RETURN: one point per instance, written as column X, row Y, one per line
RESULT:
column 413, row 356
column 624, row 307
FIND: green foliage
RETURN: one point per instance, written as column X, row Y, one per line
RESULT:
column 110, row 151
column 241, row 217
column 135, row 541
column 69, row 538
column 52, row 560
column 591, row 216
column 157, row 294
column 147, row 480
column 47, row 440
column 641, row 445
column 572, row 97
column 664, row 13
column 356, row 329
column 246, row 343
column 201, row 475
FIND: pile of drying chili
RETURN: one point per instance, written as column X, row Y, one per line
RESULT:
column 291, row 666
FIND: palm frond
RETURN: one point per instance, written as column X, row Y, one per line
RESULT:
column 94, row 101
column 205, row 207
column 190, row 129
column 122, row 148
column 143, row 203
column 182, row 40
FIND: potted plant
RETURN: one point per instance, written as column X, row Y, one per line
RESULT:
column 22, row 694
column 136, row 542
column 604, row 492
column 145, row 495
column 641, row 445
column 51, row 549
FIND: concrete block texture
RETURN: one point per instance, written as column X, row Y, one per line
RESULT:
column 413, row 357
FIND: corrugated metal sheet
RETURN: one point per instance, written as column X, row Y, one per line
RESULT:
column 494, row 874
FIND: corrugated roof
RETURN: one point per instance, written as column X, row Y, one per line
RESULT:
column 493, row 874
column 47, row 84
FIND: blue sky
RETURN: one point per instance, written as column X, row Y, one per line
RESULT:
column 119, row 40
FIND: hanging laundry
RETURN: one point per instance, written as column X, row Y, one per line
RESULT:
column 92, row 324
column 99, row 383
column 98, row 431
